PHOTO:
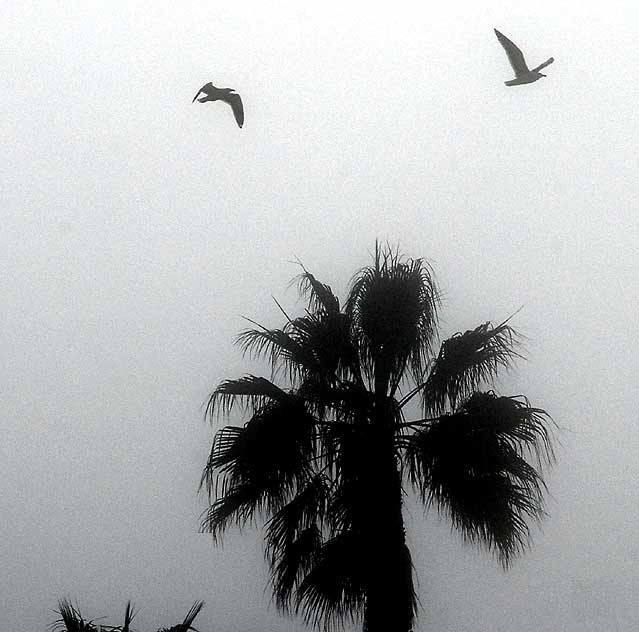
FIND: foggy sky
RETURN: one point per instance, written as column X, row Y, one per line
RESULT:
column 138, row 229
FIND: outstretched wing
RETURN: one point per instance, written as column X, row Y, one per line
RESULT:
column 546, row 63
column 235, row 101
column 515, row 56
column 206, row 88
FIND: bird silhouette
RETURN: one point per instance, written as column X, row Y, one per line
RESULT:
column 516, row 58
column 228, row 95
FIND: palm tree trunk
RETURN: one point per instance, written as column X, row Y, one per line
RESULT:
column 390, row 599
column 390, row 593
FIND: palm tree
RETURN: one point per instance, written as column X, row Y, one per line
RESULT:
column 327, row 460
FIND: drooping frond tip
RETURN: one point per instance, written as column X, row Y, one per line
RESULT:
column 279, row 346
column 320, row 296
column 249, row 391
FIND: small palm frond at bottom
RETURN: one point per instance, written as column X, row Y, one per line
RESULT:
column 70, row 619
column 129, row 614
column 187, row 624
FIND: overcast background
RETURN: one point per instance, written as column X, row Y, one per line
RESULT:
column 138, row 228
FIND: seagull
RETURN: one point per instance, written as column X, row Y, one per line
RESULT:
column 517, row 61
column 228, row 95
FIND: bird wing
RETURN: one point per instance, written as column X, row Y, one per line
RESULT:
column 206, row 88
column 235, row 101
column 546, row 63
column 515, row 56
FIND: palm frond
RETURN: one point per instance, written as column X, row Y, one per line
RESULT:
column 294, row 561
column 325, row 343
column 187, row 624
column 250, row 390
column 273, row 446
column 465, row 361
column 238, row 506
column 334, row 590
column 71, row 620
column 278, row 346
column 129, row 614
column 320, row 296
column 223, row 450
column 307, row 509
column 393, row 309
column 254, row 468
column 471, row 464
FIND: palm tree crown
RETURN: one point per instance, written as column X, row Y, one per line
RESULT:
column 326, row 460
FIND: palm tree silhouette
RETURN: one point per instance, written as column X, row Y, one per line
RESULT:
column 327, row 460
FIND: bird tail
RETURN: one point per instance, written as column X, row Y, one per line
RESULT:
column 546, row 63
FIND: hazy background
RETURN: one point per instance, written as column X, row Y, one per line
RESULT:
column 138, row 228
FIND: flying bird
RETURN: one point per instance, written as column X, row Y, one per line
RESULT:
column 516, row 58
column 228, row 95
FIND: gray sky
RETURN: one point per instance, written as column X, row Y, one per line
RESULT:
column 138, row 228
